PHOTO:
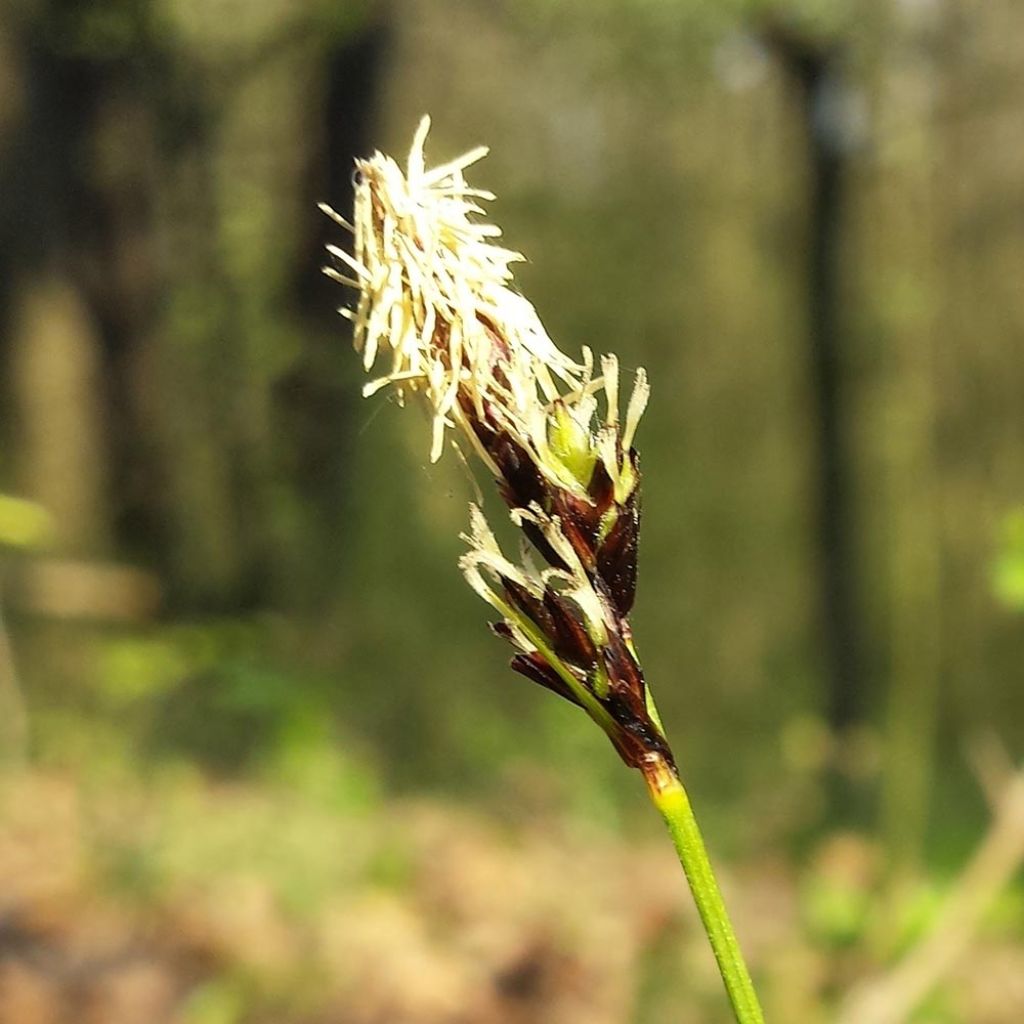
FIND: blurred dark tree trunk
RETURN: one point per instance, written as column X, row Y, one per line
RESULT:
column 915, row 207
column 315, row 398
column 79, row 172
column 54, row 352
column 124, row 160
column 816, row 69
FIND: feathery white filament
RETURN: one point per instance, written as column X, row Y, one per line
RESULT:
column 436, row 295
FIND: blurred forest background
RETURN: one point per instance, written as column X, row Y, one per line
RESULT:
column 262, row 761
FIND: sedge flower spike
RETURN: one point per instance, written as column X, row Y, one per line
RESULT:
column 437, row 316
column 437, row 306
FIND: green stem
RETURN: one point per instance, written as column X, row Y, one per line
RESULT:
column 670, row 798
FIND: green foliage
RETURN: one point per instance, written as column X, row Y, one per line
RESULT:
column 222, row 697
column 1008, row 570
column 835, row 911
column 908, row 919
column 216, row 1002
column 23, row 524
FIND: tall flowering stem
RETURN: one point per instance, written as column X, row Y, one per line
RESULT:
column 436, row 305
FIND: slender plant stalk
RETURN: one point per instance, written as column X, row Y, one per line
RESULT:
column 669, row 795
column 436, row 303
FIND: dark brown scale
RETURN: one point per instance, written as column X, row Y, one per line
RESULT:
column 625, row 679
column 520, row 485
column 638, row 737
column 503, row 630
column 617, row 555
column 535, row 668
column 601, row 488
column 568, row 636
column 581, row 522
column 585, row 514
column 521, row 482
column 536, row 537
column 532, row 607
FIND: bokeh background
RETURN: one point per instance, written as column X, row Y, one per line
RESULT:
column 262, row 761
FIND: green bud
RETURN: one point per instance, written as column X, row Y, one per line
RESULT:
column 571, row 444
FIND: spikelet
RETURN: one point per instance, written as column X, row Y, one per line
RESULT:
column 437, row 306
